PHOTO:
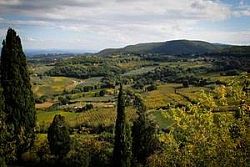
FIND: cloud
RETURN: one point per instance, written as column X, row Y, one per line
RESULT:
column 241, row 13
column 114, row 23
column 243, row 9
column 30, row 39
column 25, row 22
column 122, row 11
column 9, row 2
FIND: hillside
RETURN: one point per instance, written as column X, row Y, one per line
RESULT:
column 175, row 47
column 237, row 50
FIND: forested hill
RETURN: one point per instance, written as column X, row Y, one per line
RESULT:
column 175, row 47
column 237, row 50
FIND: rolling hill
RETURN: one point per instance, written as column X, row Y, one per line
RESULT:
column 175, row 47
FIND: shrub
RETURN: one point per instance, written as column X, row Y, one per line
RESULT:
column 2, row 162
column 59, row 137
column 80, row 158
column 29, row 157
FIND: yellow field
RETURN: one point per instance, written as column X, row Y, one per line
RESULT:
column 54, row 86
column 105, row 116
column 162, row 96
column 165, row 94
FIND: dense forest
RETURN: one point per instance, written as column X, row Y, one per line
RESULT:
column 179, row 103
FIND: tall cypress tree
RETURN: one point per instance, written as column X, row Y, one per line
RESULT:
column 18, row 96
column 122, row 148
column 144, row 132
column 7, row 146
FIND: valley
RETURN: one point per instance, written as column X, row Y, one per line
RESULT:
column 163, row 81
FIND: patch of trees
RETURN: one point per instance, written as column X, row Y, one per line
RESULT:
column 41, row 99
column 226, row 61
column 84, row 71
column 63, row 100
column 170, row 74
column 84, row 88
column 151, row 87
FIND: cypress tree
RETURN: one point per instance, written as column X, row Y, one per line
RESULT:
column 3, row 131
column 122, row 148
column 144, row 137
column 18, row 96
column 7, row 146
column 59, row 137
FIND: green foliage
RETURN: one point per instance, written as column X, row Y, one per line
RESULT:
column 200, row 137
column 7, row 146
column 87, row 151
column 175, row 47
column 122, row 148
column 18, row 97
column 29, row 157
column 84, row 67
column 2, row 162
column 63, row 100
column 102, row 93
column 41, row 99
column 185, row 84
column 79, row 158
column 59, row 137
column 151, row 87
column 145, row 141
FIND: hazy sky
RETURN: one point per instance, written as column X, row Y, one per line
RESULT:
column 99, row 24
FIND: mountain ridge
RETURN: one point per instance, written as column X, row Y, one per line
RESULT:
column 173, row 47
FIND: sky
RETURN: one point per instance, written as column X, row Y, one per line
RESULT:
column 98, row 24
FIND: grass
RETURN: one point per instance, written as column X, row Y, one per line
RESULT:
column 47, row 116
column 191, row 93
column 95, row 117
column 105, row 116
column 53, row 85
column 163, row 122
column 40, row 68
column 164, row 95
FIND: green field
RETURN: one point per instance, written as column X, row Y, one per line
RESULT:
column 160, row 119
column 53, row 85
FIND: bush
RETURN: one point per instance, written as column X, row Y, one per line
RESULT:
column 63, row 100
column 79, row 158
column 2, row 162
column 29, row 157
column 59, row 137
column 151, row 87
column 102, row 93
column 185, row 84
column 41, row 99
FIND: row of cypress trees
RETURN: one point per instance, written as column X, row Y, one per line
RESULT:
column 140, row 143
column 18, row 116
